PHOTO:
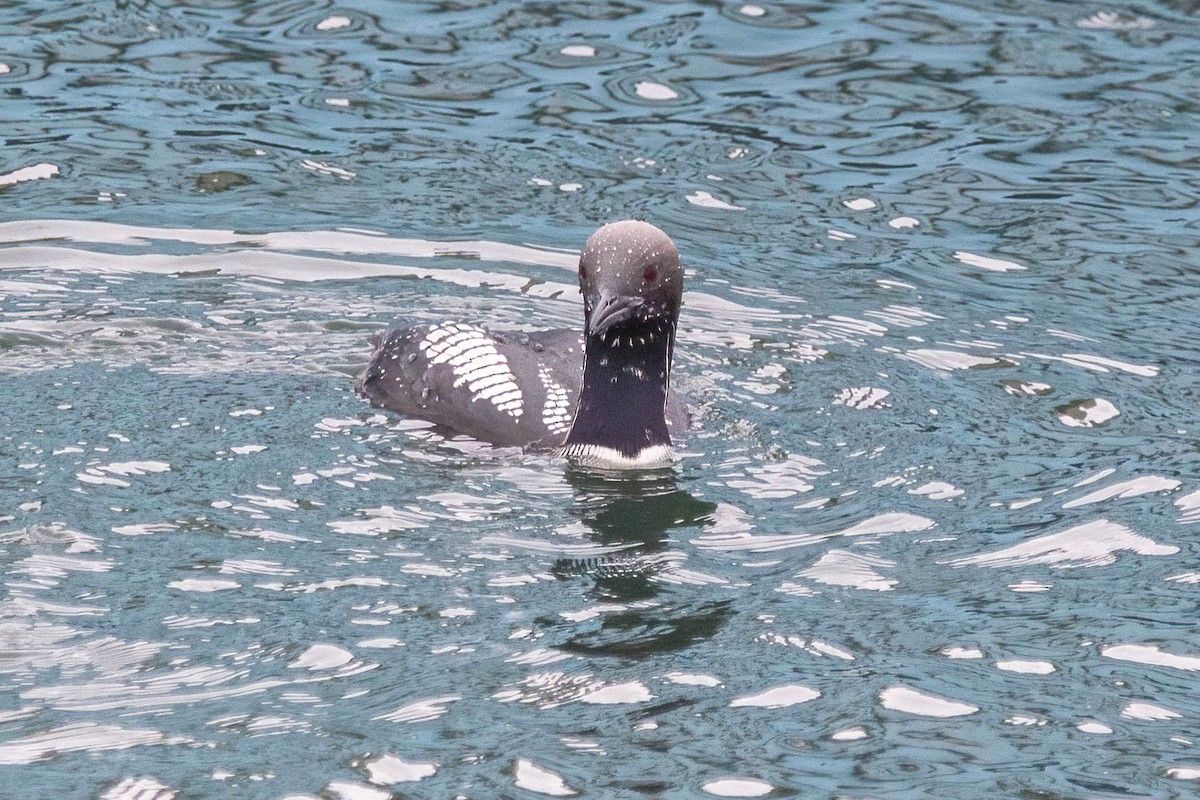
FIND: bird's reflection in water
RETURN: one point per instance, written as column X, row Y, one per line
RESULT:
column 648, row 607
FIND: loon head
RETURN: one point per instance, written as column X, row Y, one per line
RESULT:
column 631, row 282
column 632, row 287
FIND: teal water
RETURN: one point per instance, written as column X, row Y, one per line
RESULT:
column 934, row 536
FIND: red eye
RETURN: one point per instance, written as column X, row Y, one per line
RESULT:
column 650, row 275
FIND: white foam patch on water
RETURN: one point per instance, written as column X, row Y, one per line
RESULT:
column 1025, row 720
column 778, row 479
column 820, row 648
column 428, row 570
column 903, row 223
column 46, row 568
column 844, row 568
column 1094, row 727
column 849, row 734
column 136, row 467
column 778, row 697
column 421, row 711
column 896, row 522
column 654, row 91
column 138, row 789
column 949, row 359
column 1017, row 505
column 1114, row 21
column 578, row 51
column 37, row 172
column 1189, row 508
column 1090, row 413
column 86, row 737
column 860, row 204
column 1149, row 712
column 381, row 643
column 616, row 693
column 738, row 787
column 1028, row 388
column 862, row 397
column 253, row 566
column 910, row 701
column 389, row 769
column 385, row 519
column 1026, row 667
column 336, row 425
column 692, row 679
column 152, row 693
column 1093, row 544
column 987, row 262
column 1184, row 773
column 1151, row 655
column 321, row 255
column 1130, row 488
column 879, row 525
column 348, row 790
column 961, row 652
column 750, row 10
column 550, row 689
column 539, row 656
column 937, row 490
column 103, row 474
column 815, row 646
column 529, row 776
column 706, row 200
column 321, row 168
column 322, row 656
column 265, row 535
column 337, row 241
column 333, row 23
column 1100, row 363
column 203, row 585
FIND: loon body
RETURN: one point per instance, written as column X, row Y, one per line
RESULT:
column 601, row 397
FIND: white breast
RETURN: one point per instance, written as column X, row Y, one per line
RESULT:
column 601, row 457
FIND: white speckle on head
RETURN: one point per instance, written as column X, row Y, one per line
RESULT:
column 473, row 358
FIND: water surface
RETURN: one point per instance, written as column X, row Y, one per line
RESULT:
column 932, row 536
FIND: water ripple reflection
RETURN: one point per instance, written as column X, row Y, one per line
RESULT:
column 930, row 536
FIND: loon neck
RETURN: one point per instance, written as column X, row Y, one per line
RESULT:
column 621, row 420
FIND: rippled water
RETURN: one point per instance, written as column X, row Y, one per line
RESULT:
column 932, row 538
